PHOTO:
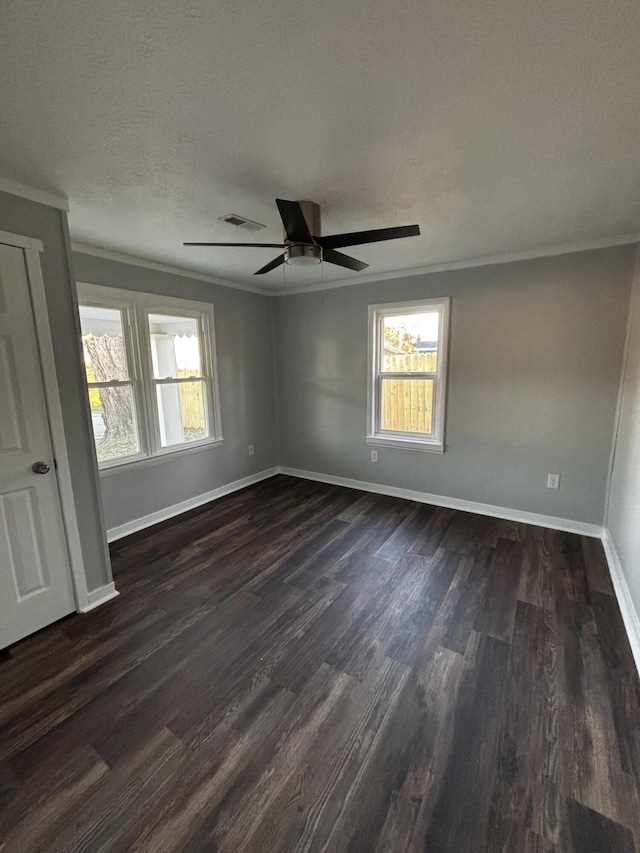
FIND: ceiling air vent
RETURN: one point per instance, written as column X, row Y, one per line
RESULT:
column 242, row 222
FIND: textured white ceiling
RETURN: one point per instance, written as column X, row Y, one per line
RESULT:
column 499, row 126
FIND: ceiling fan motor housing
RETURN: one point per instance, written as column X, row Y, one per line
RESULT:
column 303, row 255
column 311, row 213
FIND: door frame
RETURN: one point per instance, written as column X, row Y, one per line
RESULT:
column 32, row 249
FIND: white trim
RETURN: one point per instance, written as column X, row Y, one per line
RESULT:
column 423, row 446
column 21, row 242
column 433, row 442
column 471, row 263
column 566, row 524
column 132, row 260
column 135, row 306
column 81, row 380
column 118, row 467
column 33, row 194
column 56, row 424
column 633, row 298
column 99, row 596
column 630, row 615
column 192, row 503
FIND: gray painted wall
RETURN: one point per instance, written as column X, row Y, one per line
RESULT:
column 623, row 518
column 247, row 395
column 536, row 350
column 19, row 216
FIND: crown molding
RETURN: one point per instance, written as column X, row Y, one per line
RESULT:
column 489, row 260
column 33, row 194
column 62, row 203
column 132, row 260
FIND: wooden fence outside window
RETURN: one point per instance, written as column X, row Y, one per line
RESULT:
column 407, row 404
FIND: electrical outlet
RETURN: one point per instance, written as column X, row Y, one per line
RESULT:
column 553, row 481
column 374, row 455
column 251, row 450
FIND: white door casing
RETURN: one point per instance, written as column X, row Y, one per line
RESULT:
column 35, row 572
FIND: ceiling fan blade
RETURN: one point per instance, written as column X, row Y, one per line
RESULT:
column 341, row 260
column 246, row 245
column 276, row 262
column 295, row 225
column 357, row 238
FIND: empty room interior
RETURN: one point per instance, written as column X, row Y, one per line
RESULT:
column 320, row 427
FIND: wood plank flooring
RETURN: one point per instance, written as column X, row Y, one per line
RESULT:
column 301, row 667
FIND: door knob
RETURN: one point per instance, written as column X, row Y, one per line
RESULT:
column 40, row 468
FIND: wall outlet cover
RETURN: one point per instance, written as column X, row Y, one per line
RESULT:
column 553, row 481
column 374, row 455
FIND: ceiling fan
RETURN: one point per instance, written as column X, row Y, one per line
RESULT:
column 304, row 245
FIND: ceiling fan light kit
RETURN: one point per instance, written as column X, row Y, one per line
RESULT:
column 304, row 244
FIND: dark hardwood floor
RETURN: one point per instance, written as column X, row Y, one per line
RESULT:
column 301, row 667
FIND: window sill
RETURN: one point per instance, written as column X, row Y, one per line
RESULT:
column 407, row 444
column 143, row 462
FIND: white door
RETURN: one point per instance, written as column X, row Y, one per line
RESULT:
column 35, row 577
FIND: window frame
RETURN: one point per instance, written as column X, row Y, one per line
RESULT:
column 433, row 442
column 135, row 307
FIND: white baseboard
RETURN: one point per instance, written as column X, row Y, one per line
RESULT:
column 629, row 613
column 192, row 503
column 551, row 521
column 99, row 596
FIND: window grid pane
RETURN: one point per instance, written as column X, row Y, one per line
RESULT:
column 175, row 346
column 407, row 404
column 103, row 343
column 410, row 342
column 114, row 422
column 182, row 413
column 408, row 347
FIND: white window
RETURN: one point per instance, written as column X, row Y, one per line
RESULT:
column 151, row 372
column 408, row 344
